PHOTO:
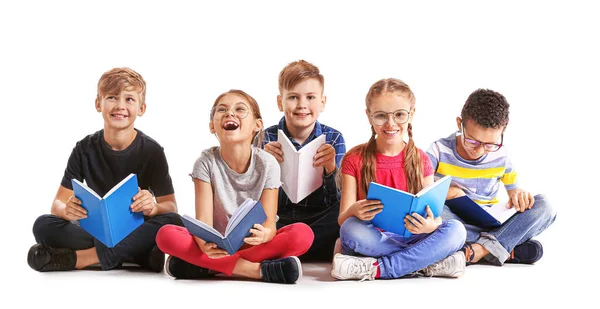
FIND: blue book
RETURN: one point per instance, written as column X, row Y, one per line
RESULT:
column 110, row 218
column 397, row 204
column 486, row 216
column 243, row 219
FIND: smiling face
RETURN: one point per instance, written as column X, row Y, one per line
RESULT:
column 120, row 110
column 390, row 133
column 302, row 104
column 233, row 120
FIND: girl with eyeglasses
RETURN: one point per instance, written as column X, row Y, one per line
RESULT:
column 224, row 176
column 369, row 252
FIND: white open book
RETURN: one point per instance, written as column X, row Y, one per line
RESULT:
column 298, row 175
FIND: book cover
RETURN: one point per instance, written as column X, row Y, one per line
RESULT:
column 243, row 219
column 298, row 175
column 486, row 216
column 397, row 204
column 110, row 218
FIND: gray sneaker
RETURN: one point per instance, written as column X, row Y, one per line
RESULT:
column 453, row 266
column 353, row 267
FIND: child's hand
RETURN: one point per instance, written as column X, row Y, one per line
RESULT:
column 212, row 251
column 454, row 192
column 325, row 157
column 73, row 210
column 274, row 148
column 419, row 225
column 366, row 209
column 520, row 199
column 144, row 201
column 260, row 235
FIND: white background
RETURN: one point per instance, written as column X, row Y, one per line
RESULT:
column 543, row 56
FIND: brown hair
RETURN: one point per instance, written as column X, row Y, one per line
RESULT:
column 119, row 79
column 257, row 140
column 412, row 158
column 297, row 72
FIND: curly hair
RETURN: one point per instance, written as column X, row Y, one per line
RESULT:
column 487, row 108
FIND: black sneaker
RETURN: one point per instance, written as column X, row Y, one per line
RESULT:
column 181, row 269
column 45, row 258
column 154, row 260
column 528, row 252
column 286, row 270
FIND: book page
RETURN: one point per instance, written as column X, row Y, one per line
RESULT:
column 499, row 211
column 289, row 166
column 117, row 186
column 239, row 214
column 202, row 225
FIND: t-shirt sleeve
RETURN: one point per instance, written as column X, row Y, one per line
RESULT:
column 73, row 170
column 350, row 165
column 434, row 155
column 426, row 164
column 273, row 170
column 161, row 179
column 202, row 167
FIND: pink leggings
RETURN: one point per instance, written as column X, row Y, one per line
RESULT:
column 290, row 240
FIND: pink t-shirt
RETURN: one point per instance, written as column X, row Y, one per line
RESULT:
column 389, row 170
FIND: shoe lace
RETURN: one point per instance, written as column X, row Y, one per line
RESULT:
column 362, row 269
column 434, row 269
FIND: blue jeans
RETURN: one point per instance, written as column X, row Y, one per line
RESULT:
column 521, row 227
column 398, row 256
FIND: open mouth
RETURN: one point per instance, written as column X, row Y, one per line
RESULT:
column 230, row 125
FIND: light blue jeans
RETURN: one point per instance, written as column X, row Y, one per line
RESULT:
column 398, row 256
column 517, row 230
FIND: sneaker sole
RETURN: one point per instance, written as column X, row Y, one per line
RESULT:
column 299, row 267
column 167, row 267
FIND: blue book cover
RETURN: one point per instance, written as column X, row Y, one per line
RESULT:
column 248, row 213
column 110, row 218
column 486, row 216
column 397, row 204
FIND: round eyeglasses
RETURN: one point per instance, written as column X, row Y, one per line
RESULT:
column 239, row 110
column 400, row 116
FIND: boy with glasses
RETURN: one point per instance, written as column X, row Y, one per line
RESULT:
column 478, row 163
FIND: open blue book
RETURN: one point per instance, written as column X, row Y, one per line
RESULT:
column 486, row 216
column 397, row 204
column 243, row 219
column 110, row 218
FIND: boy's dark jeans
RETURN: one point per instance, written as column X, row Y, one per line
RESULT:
column 57, row 232
column 324, row 223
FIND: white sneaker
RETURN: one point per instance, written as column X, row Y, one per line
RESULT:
column 453, row 266
column 353, row 267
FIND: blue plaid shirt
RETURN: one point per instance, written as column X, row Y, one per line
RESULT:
column 326, row 196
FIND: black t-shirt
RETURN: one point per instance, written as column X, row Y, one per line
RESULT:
column 94, row 161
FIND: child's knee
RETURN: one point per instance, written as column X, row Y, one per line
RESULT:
column 166, row 238
column 457, row 233
column 301, row 238
column 543, row 209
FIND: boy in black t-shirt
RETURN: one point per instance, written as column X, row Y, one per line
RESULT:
column 102, row 160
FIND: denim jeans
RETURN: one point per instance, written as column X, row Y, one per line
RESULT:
column 519, row 228
column 59, row 233
column 396, row 255
column 324, row 224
